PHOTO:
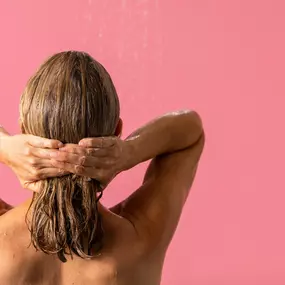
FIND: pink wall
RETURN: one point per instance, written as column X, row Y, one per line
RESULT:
column 224, row 58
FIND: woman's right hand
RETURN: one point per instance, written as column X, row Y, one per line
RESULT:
column 29, row 158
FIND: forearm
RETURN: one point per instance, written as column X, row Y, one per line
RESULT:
column 169, row 133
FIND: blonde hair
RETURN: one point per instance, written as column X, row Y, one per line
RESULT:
column 69, row 98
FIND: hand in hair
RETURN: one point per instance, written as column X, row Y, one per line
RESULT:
column 28, row 157
column 98, row 158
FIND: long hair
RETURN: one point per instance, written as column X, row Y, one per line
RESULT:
column 69, row 98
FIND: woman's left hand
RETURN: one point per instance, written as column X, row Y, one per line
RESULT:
column 100, row 158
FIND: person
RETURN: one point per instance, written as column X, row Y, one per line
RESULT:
column 69, row 151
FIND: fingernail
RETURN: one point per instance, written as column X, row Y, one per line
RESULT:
column 60, row 144
column 81, row 143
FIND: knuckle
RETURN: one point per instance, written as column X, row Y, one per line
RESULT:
column 33, row 161
column 27, row 151
column 40, row 176
column 63, row 156
column 82, row 160
column 71, row 149
column 35, row 173
column 55, row 163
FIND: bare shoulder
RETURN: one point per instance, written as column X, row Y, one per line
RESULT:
column 19, row 260
column 11, row 237
column 13, row 225
column 14, row 238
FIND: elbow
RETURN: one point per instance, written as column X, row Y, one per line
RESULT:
column 195, row 127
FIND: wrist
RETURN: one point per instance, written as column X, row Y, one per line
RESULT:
column 128, row 155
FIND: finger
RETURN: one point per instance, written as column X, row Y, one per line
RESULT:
column 43, row 142
column 40, row 163
column 51, row 172
column 97, row 152
column 78, row 169
column 39, row 158
column 74, row 148
column 87, row 161
column 75, row 153
column 42, row 153
column 72, row 168
column 102, row 142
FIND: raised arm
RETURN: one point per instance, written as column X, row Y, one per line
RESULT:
column 174, row 142
column 165, row 135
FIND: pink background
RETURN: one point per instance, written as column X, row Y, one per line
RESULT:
column 223, row 58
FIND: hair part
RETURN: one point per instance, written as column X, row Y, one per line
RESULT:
column 69, row 98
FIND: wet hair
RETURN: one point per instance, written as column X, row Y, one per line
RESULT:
column 69, row 98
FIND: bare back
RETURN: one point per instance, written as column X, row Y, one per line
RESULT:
column 122, row 260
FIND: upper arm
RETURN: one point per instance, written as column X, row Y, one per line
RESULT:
column 155, row 208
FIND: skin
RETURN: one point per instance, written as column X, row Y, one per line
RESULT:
column 138, row 230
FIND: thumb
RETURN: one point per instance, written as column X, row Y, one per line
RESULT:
column 33, row 186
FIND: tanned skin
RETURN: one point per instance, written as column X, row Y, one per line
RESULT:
column 138, row 230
